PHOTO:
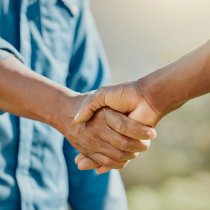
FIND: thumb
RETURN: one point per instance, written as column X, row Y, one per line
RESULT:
column 85, row 113
column 89, row 107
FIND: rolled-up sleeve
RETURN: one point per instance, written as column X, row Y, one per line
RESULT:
column 4, row 54
column 6, row 51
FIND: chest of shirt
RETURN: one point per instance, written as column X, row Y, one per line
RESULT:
column 43, row 31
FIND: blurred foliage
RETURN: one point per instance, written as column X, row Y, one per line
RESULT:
column 183, row 193
column 175, row 172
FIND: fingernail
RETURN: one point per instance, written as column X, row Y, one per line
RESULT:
column 76, row 117
column 152, row 134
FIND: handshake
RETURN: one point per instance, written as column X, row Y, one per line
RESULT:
column 116, row 122
column 121, row 121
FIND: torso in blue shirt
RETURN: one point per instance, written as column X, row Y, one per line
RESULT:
column 58, row 39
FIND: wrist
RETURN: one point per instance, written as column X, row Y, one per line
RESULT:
column 184, row 79
column 145, row 112
column 66, row 107
column 160, row 92
column 34, row 96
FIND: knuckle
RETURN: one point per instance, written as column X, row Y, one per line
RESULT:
column 90, row 147
column 121, row 156
column 120, row 126
column 85, row 152
column 106, row 162
column 143, row 133
column 138, row 132
column 104, row 111
column 125, row 145
column 100, row 112
column 100, row 94
column 94, row 131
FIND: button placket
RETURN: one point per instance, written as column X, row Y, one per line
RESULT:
column 72, row 7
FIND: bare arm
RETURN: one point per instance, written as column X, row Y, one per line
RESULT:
column 27, row 94
column 173, row 85
column 150, row 98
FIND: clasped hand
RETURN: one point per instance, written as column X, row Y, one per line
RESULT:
column 120, row 131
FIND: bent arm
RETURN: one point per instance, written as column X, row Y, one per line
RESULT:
column 28, row 94
column 159, row 93
column 150, row 98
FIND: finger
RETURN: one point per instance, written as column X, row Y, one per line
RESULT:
column 105, row 148
column 114, row 153
column 87, row 164
column 108, row 162
column 124, row 143
column 102, row 170
column 79, row 157
column 128, row 127
column 89, row 106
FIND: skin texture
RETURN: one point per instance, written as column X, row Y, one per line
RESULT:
column 170, row 87
column 95, row 138
column 125, row 98
column 150, row 98
column 108, row 138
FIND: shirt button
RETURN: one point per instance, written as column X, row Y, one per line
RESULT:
column 75, row 10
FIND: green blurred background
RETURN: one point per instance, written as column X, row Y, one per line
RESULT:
column 139, row 37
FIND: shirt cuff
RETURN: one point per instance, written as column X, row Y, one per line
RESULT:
column 4, row 54
column 8, row 48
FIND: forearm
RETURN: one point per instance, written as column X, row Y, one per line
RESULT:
column 171, row 86
column 28, row 94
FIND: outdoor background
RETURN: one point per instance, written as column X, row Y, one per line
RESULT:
column 140, row 36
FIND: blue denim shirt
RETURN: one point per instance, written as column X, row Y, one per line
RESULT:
column 57, row 39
